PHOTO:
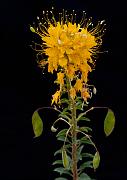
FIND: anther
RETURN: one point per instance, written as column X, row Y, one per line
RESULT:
column 102, row 21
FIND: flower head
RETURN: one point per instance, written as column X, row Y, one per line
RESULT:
column 70, row 47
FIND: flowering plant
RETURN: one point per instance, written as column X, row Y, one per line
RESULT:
column 70, row 50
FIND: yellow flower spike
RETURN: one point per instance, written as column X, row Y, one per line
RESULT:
column 56, row 97
column 70, row 46
column 78, row 85
column 72, row 93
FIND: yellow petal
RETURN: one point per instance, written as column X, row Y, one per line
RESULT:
column 56, row 97
column 78, row 85
column 60, row 78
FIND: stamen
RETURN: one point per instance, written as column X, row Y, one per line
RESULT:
column 83, row 18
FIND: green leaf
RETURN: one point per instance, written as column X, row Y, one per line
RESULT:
column 79, row 150
column 61, row 138
column 57, row 162
column 85, row 140
column 58, row 152
column 62, row 170
column 109, row 122
column 37, row 124
column 87, row 155
column 83, row 119
column 64, row 101
column 96, row 160
column 84, row 176
column 62, row 133
column 64, row 116
column 86, row 129
column 85, row 165
column 65, row 159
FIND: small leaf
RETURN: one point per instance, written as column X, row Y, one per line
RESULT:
column 87, row 155
column 64, row 116
column 62, row 170
column 37, row 124
column 96, row 160
column 62, row 133
column 65, row 159
column 64, row 100
column 87, row 164
column 79, row 150
column 86, row 129
column 58, row 152
column 83, row 119
column 84, row 176
column 109, row 122
column 85, row 140
column 61, row 138
column 57, row 162
column 32, row 29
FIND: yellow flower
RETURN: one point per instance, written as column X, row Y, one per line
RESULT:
column 72, row 93
column 85, row 94
column 60, row 79
column 68, row 42
column 70, row 71
column 70, row 49
column 63, row 62
column 56, row 97
column 78, row 85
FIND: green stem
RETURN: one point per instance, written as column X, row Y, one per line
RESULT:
column 74, row 142
column 74, row 132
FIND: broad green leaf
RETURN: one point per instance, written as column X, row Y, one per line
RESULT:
column 96, row 160
column 37, row 124
column 109, row 122
column 84, row 176
column 57, row 162
column 65, row 159
column 85, row 165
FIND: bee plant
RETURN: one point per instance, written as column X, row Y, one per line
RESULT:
column 69, row 48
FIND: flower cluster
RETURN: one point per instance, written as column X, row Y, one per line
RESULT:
column 71, row 49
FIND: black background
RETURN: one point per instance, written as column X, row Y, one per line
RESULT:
column 23, row 88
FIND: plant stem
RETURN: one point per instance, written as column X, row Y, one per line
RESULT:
column 74, row 131
column 74, row 142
